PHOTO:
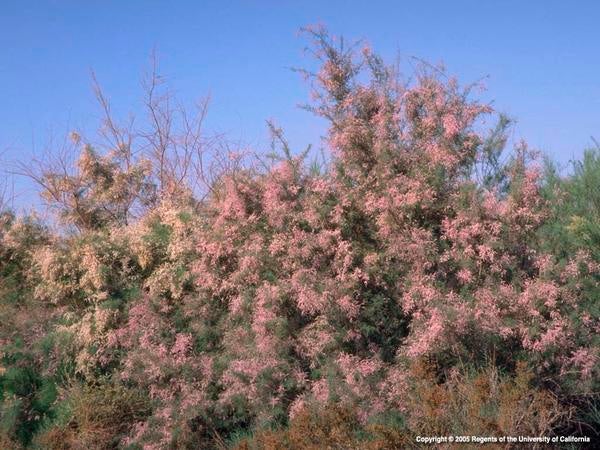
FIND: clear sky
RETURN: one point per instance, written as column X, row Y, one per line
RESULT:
column 542, row 59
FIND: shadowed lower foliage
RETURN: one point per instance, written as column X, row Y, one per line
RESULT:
column 486, row 403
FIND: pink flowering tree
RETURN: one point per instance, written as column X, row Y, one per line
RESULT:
column 278, row 288
column 313, row 288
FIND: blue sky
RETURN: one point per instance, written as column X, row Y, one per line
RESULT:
column 542, row 59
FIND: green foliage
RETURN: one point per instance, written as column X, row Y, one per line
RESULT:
column 27, row 398
column 575, row 200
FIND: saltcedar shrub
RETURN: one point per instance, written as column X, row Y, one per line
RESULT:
column 284, row 289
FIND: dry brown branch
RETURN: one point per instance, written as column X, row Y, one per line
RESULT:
column 136, row 163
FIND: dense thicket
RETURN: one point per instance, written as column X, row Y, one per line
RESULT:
column 414, row 284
